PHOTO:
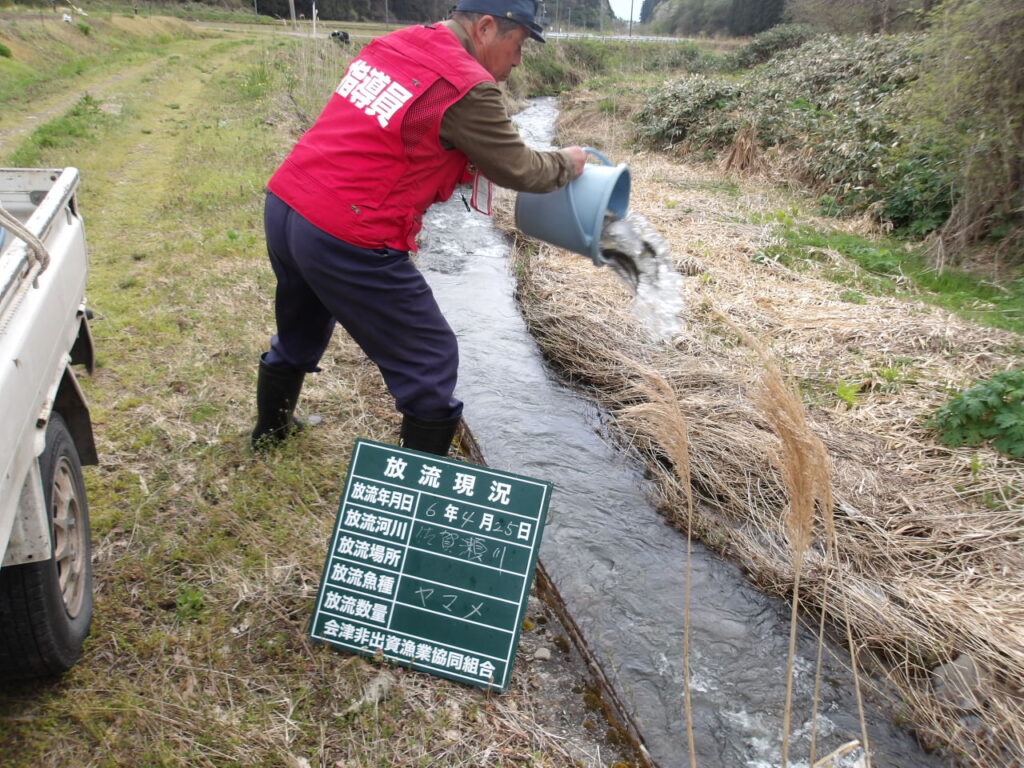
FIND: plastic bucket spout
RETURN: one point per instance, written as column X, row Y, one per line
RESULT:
column 573, row 217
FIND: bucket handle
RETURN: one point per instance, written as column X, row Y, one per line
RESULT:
column 598, row 155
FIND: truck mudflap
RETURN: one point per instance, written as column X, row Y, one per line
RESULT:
column 70, row 402
column 82, row 351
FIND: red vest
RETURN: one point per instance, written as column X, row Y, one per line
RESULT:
column 373, row 163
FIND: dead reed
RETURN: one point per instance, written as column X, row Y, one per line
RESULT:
column 931, row 567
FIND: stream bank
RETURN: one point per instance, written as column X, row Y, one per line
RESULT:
column 617, row 563
column 868, row 363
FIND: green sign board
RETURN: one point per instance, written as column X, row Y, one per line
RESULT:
column 430, row 563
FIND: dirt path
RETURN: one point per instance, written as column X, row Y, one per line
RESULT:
column 110, row 88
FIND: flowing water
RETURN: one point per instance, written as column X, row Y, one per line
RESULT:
column 641, row 257
column 619, row 567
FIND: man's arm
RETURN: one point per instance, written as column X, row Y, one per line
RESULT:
column 479, row 126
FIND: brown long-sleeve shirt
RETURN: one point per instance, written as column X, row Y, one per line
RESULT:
column 479, row 126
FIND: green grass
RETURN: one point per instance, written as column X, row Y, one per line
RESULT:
column 55, row 59
column 80, row 126
column 890, row 267
column 207, row 556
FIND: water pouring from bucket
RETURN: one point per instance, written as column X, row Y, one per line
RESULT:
column 590, row 216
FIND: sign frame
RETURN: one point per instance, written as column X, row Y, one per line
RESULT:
column 430, row 564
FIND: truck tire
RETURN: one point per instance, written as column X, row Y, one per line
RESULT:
column 46, row 607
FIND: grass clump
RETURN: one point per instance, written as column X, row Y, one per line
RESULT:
column 82, row 123
column 919, row 131
column 828, row 108
column 767, row 44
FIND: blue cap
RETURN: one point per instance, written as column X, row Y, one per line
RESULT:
column 523, row 12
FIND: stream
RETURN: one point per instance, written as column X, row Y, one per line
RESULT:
column 618, row 565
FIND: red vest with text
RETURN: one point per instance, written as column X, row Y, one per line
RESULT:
column 373, row 163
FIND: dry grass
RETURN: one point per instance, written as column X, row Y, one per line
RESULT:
column 926, row 561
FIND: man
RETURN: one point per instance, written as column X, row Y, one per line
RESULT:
column 417, row 111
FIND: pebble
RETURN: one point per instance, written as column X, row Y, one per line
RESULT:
column 959, row 682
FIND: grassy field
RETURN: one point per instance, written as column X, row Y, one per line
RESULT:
column 207, row 557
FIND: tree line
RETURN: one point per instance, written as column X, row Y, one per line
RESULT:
column 740, row 18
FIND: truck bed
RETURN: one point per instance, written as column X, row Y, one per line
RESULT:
column 36, row 197
column 40, row 318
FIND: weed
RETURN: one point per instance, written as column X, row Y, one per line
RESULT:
column 848, row 392
column 80, row 124
column 991, row 411
column 976, row 466
column 190, row 605
column 256, row 82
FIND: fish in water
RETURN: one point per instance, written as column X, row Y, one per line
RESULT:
column 634, row 249
column 623, row 249
column 639, row 255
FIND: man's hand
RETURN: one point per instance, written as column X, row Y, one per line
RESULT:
column 579, row 158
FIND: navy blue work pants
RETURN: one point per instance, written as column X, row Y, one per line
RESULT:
column 377, row 295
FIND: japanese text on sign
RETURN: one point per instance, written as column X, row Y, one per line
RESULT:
column 431, row 562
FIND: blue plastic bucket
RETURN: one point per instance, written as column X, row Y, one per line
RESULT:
column 572, row 217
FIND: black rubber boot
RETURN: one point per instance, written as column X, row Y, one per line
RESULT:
column 428, row 435
column 277, row 392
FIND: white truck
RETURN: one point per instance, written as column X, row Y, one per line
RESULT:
column 45, row 429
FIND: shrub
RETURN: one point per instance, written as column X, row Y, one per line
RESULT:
column 971, row 99
column 992, row 410
column 5, row 52
column 770, row 42
column 917, row 187
column 833, row 105
column 695, row 109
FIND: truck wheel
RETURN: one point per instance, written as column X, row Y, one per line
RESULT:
column 46, row 607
